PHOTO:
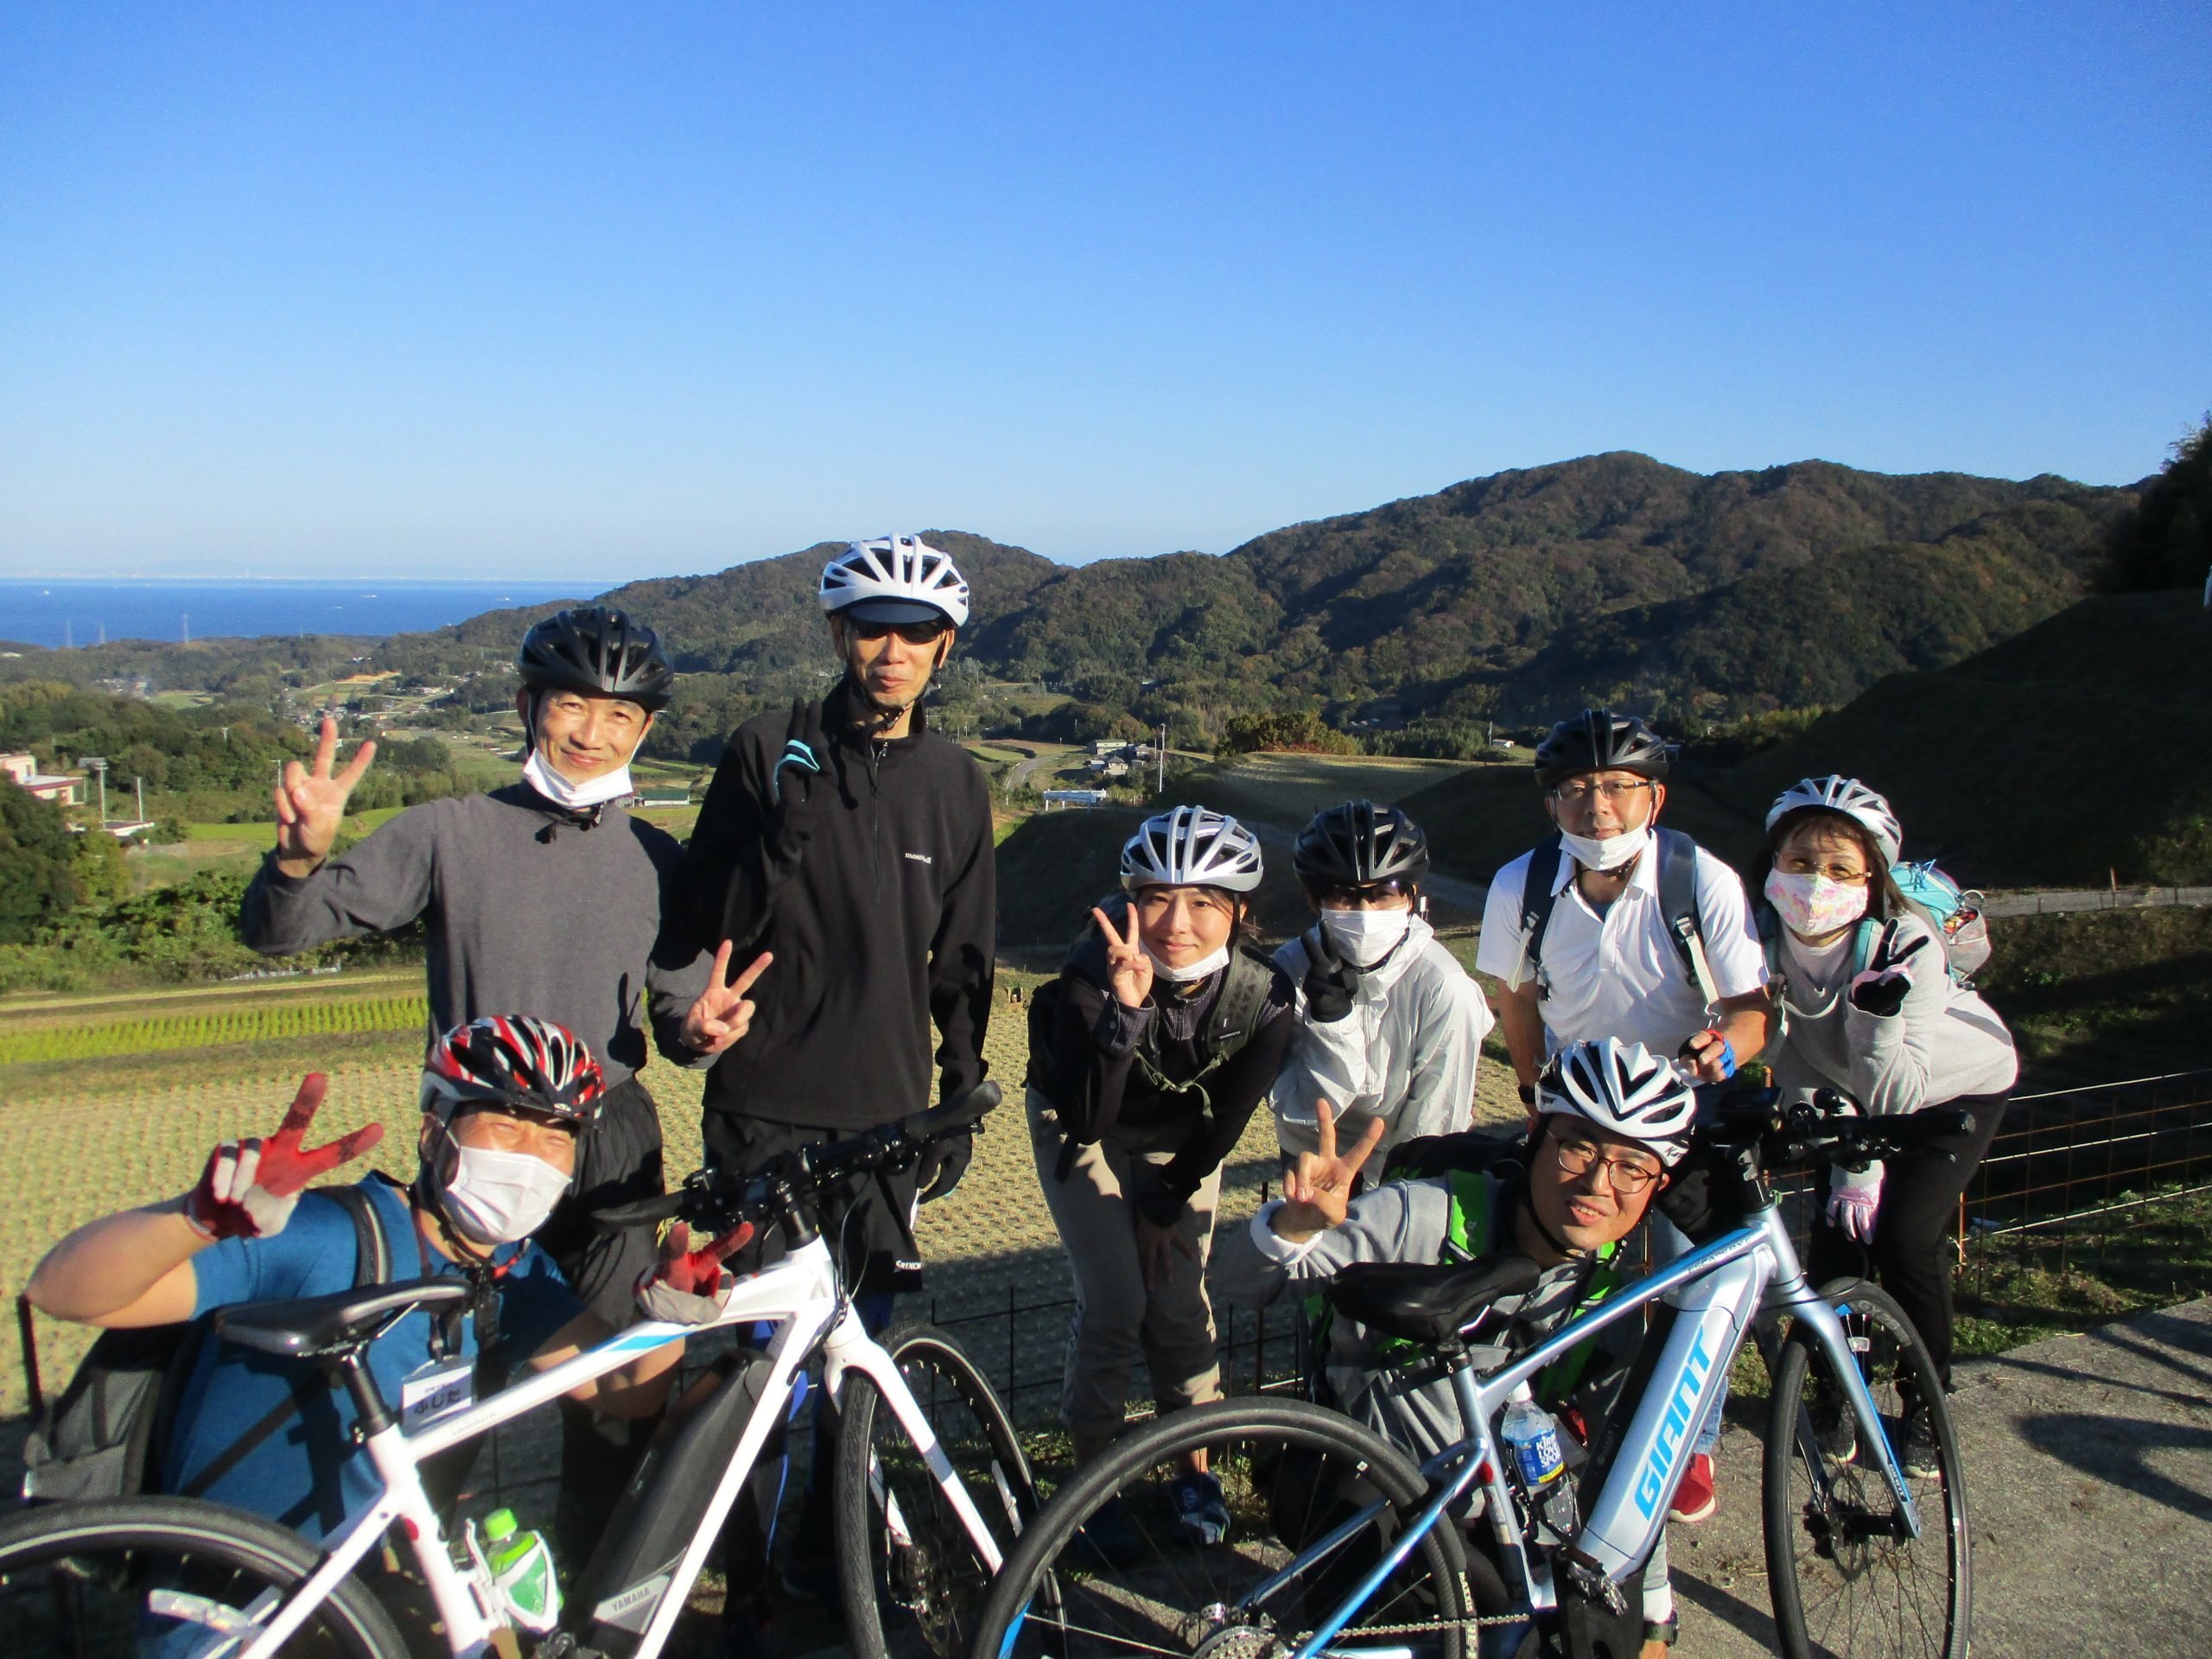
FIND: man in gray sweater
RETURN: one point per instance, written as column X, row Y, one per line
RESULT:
column 543, row 897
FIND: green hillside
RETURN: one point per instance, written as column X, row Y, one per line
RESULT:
column 1611, row 575
column 2081, row 747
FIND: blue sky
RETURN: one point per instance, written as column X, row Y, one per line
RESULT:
column 597, row 291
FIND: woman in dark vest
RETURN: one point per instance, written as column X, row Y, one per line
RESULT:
column 1147, row 1057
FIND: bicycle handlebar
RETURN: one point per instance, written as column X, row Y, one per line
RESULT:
column 1828, row 1125
column 720, row 1199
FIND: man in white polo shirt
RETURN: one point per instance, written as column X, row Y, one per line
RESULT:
column 1616, row 928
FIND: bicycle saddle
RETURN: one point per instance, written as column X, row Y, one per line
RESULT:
column 1424, row 1301
column 315, row 1325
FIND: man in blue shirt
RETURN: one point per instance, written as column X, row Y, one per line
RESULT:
column 505, row 1099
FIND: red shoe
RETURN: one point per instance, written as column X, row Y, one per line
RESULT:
column 1695, row 1499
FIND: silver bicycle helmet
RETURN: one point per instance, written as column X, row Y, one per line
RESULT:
column 1192, row 846
column 894, row 579
column 1836, row 793
column 1624, row 1089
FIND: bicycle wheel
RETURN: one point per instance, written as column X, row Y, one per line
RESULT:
column 1106, row 1571
column 169, row 1578
column 910, row 1575
column 1846, row 1579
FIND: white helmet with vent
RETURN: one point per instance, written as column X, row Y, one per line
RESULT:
column 1192, row 846
column 1624, row 1089
column 894, row 579
column 1836, row 793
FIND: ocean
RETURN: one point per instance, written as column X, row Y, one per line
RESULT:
column 69, row 613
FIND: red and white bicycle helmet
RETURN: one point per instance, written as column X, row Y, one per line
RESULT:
column 513, row 1059
column 1624, row 1089
column 1192, row 846
column 894, row 579
column 1836, row 793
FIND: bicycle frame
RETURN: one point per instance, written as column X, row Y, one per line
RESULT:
column 799, row 1295
column 1714, row 1290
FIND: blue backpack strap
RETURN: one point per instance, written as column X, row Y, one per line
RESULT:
column 1538, row 895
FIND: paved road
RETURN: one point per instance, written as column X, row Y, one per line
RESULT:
column 2089, row 1489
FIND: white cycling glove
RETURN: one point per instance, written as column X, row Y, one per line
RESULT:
column 1853, row 1197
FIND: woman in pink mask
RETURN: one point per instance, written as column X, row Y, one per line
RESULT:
column 1868, row 1006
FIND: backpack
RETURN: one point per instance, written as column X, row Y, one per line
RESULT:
column 1245, row 984
column 106, row 1433
column 1677, row 855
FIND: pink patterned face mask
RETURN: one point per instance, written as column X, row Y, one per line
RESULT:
column 1810, row 905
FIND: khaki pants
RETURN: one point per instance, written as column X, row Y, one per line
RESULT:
column 1116, row 1318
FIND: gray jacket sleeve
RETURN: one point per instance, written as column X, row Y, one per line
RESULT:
column 1398, row 1221
column 384, row 883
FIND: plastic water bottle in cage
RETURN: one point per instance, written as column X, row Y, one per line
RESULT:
column 1531, row 1439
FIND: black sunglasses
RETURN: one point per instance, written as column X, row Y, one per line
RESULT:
column 1395, row 888
column 914, row 633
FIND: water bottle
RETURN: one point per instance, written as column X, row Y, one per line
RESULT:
column 521, row 1566
column 1532, row 1441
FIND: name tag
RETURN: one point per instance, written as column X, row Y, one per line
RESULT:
column 438, row 1389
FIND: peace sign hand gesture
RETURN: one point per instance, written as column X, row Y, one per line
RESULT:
column 723, row 1013
column 1129, row 969
column 310, row 805
column 1317, row 1191
column 1881, row 989
column 250, row 1187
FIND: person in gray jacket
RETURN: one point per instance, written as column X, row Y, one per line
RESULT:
column 1868, row 1007
column 544, row 895
column 1612, row 1119
column 1389, row 1024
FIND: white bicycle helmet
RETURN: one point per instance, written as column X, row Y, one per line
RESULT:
column 894, row 579
column 1192, row 846
column 1837, row 793
column 1624, row 1089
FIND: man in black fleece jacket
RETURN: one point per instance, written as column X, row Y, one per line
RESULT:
column 854, row 845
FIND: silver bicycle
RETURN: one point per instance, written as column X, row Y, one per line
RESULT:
column 1341, row 1547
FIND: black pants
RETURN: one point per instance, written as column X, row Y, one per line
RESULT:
column 1911, row 1255
column 618, row 1162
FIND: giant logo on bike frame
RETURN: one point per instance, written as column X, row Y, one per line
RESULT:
column 1681, row 1408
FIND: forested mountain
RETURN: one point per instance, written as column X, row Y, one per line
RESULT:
column 1693, row 597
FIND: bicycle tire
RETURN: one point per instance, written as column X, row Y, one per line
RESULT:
column 1061, row 1595
column 909, row 1574
column 84, row 1579
column 1840, row 1587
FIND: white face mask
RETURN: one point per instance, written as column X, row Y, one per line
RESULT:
column 1363, row 938
column 497, row 1198
column 1607, row 855
column 608, row 786
column 1212, row 963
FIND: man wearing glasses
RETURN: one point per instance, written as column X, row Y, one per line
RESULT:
column 1390, row 1025
column 853, row 846
column 1616, row 928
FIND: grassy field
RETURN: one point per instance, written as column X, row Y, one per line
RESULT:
column 90, row 1135
column 1289, row 788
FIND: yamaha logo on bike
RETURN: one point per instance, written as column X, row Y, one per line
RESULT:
column 1667, row 1445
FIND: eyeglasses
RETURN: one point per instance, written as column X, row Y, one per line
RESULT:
column 1628, row 1179
column 1348, row 898
column 914, row 633
column 1575, row 792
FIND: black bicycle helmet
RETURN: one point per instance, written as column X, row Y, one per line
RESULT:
column 600, row 653
column 1359, row 842
column 1598, row 740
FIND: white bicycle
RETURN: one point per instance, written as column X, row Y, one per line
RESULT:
column 932, row 1485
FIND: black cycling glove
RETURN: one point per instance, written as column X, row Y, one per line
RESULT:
column 943, row 1165
column 1330, row 980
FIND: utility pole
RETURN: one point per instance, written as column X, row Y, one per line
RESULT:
column 98, row 764
column 141, row 782
column 1162, row 758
